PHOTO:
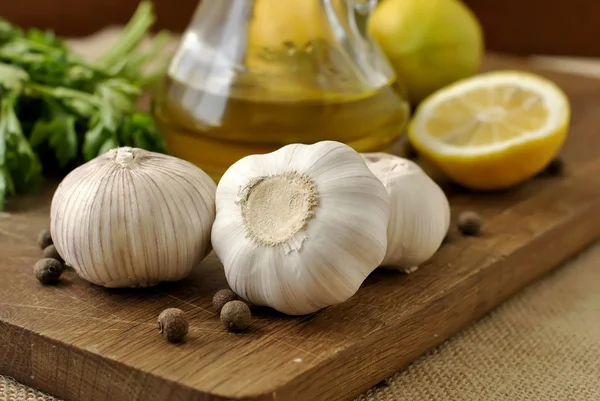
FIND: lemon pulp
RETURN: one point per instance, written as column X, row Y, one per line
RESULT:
column 494, row 130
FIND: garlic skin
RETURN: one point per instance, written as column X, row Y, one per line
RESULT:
column 133, row 218
column 419, row 212
column 299, row 229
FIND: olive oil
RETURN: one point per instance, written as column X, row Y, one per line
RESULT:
column 213, row 131
column 249, row 77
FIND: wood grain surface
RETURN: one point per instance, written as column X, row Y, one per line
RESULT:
column 81, row 342
column 510, row 26
column 555, row 27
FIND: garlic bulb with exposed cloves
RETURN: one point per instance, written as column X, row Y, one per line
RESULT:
column 300, row 228
column 133, row 218
column 419, row 212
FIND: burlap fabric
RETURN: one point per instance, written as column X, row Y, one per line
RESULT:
column 10, row 390
column 542, row 345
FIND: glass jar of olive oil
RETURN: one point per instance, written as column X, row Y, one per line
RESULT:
column 250, row 76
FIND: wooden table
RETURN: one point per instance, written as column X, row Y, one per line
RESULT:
column 81, row 342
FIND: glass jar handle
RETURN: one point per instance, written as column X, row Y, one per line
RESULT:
column 362, row 10
column 365, row 7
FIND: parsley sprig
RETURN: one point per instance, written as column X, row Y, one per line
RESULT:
column 58, row 110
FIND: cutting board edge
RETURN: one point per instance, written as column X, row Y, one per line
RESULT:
column 93, row 361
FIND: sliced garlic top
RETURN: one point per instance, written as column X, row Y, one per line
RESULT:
column 300, row 228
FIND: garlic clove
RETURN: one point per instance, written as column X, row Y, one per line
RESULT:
column 300, row 228
column 133, row 218
column 419, row 212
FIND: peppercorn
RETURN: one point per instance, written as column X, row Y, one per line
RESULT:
column 221, row 297
column 173, row 324
column 44, row 239
column 409, row 151
column 469, row 223
column 48, row 270
column 236, row 316
column 555, row 167
column 51, row 252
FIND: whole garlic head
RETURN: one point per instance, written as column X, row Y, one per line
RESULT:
column 419, row 213
column 133, row 218
column 300, row 228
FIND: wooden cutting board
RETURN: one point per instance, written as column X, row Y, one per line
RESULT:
column 81, row 342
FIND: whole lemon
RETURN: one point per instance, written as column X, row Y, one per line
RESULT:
column 430, row 43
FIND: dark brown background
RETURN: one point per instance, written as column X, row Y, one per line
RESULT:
column 567, row 27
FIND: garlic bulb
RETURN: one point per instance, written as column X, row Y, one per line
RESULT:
column 300, row 228
column 419, row 212
column 133, row 218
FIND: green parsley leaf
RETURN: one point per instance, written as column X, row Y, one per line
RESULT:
column 12, row 77
column 60, row 110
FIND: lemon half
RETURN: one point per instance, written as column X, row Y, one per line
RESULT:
column 494, row 130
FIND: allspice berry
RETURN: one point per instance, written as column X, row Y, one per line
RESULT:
column 236, row 316
column 47, row 270
column 51, row 252
column 44, row 239
column 409, row 151
column 469, row 223
column 221, row 297
column 173, row 324
column 555, row 167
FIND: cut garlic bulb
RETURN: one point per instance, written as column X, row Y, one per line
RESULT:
column 133, row 218
column 300, row 228
column 419, row 212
